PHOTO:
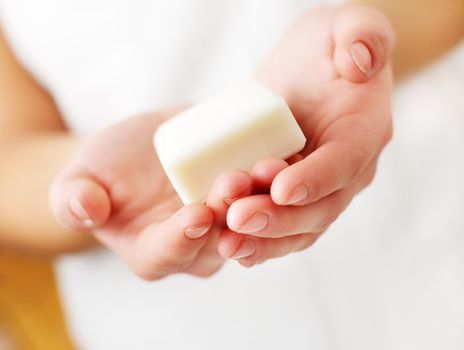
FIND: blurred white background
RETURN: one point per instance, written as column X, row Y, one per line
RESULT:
column 389, row 274
column 395, row 259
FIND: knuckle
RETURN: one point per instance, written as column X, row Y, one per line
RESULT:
column 383, row 32
column 203, row 271
column 169, row 263
column 388, row 132
column 387, row 35
column 285, row 225
column 368, row 178
column 228, row 176
column 355, row 156
column 263, row 251
column 142, row 271
column 368, row 181
column 182, row 247
column 306, row 240
column 356, row 165
column 281, row 223
column 271, row 249
column 309, row 240
column 177, row 251
column 223, row 178
column 155, row 268
column 330, row 215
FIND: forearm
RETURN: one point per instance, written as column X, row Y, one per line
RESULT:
column 28, row 165
column 425, row 29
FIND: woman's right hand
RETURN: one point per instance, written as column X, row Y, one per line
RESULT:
column 115, row 187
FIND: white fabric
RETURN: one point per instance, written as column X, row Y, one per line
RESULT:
column 388, row 275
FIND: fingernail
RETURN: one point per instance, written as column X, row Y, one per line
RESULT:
column 254, row 224
column 247, row 248
column 196, row 232
column 362, row 57
column 78, row 210
column 299, row 194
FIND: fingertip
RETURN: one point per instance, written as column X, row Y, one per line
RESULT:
column 197, row 220
column 281, row 188
column 232, row 245
column 95, row 202
column 80, row 204
column 228, row 187
column 235, row 215
column 231, row 185
column 264, row 171
column 247, row 263
column 251, row 214
column 364, row 41
column 308, row 180
column 228, row 243
column 196, row 211
column 269, row 165
column 354, row 63
column 172, row 245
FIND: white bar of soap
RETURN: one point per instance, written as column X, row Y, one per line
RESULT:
column 232, row 130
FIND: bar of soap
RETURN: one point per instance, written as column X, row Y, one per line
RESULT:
column 231, row 130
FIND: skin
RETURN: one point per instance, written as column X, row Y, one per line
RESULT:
column 343, row 112
column 98, row 191
column 425, row 30
column 32, row 137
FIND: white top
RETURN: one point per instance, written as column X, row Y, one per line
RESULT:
column 388, row 274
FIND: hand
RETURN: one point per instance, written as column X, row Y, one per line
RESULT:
column 333, row 69
column 249, row 250
column 115, row 186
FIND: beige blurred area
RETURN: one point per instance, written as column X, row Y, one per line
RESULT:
column 30, row 310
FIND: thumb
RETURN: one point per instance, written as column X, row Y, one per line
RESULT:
column 79, row 203
column 364, row 41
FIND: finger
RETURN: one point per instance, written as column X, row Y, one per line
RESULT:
column 228, row 187
column 367, row 177
column 331, row 167
column 168, row 247
column 252, row 250
column 295, row 158
column 207, row 261
column 264, row 172
column 261, row 217
column 80, row 203
column 336, row 164
column 268, row 248
column 364, row 41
